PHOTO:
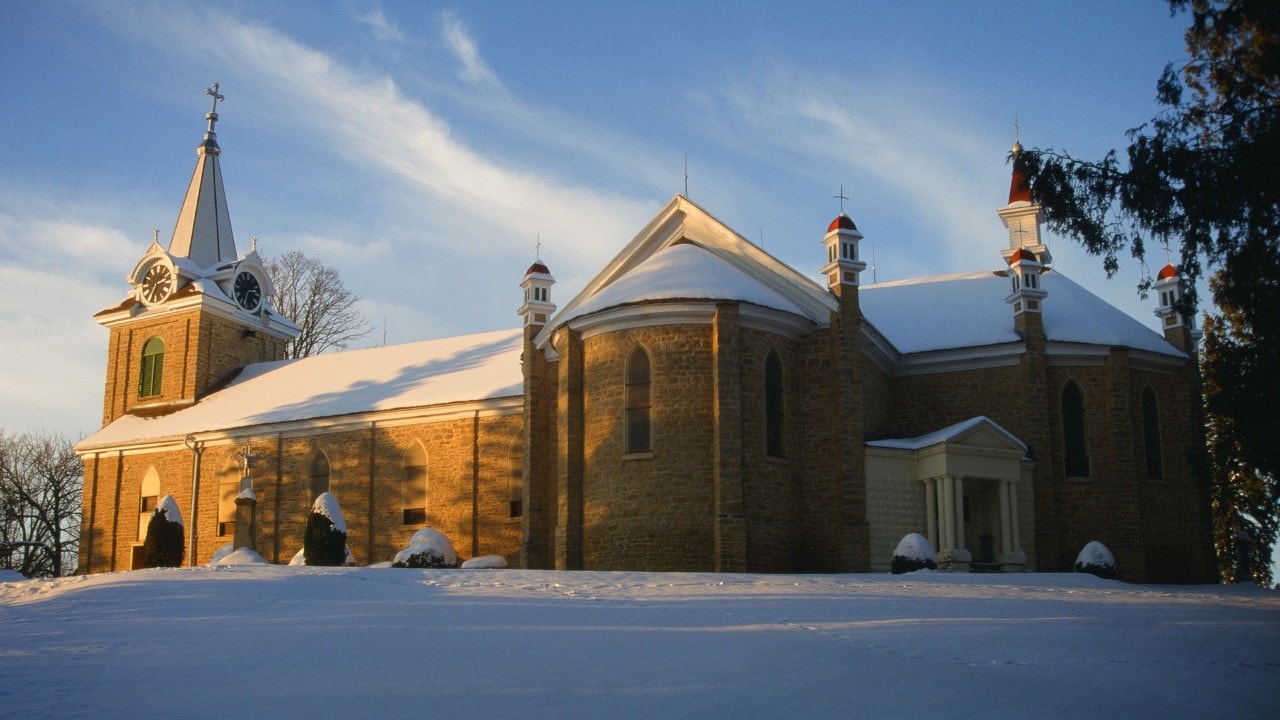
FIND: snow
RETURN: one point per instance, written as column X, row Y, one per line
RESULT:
column 915, row 547
column 11, row 576
column 274, row 641
column 327, row 505
column 964, row 310
column 951, row 432
column 682, row 272
column 469, row 368
column 299, row 558
column 229, row 555
column 1096, row 554
column 485, row 562
column 170, row 508
column 429, row 540
column 247, row 494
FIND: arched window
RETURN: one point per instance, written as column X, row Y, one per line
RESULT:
column 147, row 497
column 319, row 476
column 152, row 368
column 1073, row 434
column 413, row 486
column 1151, row 434
column 228, row 490
column 637, row 402
column 774, row 407
column 515, row 477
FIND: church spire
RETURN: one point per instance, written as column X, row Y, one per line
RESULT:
column 1022, row 216
column 203, row 230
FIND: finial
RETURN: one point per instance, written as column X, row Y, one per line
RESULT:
column 686, row 176
column 155, row 235
column 1017, row 136
column 842, row 198
column 537, row 250
column 253, row 243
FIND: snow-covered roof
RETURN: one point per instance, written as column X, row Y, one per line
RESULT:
column 683, row 272
column 945, row 312
column 460, row 369
column 948, row 434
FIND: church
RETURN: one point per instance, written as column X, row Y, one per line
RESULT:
column 698, row 406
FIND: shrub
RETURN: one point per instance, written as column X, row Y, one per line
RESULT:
column 1096, row 559
column 428, row 548
column 914, row 552
column 325, row 542
column 166, row 540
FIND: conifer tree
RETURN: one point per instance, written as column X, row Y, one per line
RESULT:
column 165, row 540
column 325, row 542
column 1202, row 177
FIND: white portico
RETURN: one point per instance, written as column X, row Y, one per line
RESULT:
column 966, row 487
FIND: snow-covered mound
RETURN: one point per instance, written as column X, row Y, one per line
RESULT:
column 485, row 562
column 228, row 555
column 11, row 576
column 914, row 552
column 424, row 544
column 1096, row 559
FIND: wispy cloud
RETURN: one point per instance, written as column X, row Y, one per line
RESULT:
column 474, row 69
column 383, row 29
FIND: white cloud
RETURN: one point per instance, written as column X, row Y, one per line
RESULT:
column 383, row 29
column 474, row 69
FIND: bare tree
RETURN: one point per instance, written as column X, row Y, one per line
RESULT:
column 41, row 479
column 312, row 295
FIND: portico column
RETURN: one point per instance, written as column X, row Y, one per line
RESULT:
column 959, row 512
column 931, row 510
column 1016, row 542
column 946, row 513
column 1006, row 535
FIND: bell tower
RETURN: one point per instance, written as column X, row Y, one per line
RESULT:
column 196, row 312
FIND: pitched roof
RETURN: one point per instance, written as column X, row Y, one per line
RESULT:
column 469, row 368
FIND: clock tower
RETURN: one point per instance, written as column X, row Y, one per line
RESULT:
column 196, row 312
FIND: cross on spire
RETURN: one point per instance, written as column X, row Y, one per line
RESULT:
column 537, row 249
column 841, row 197
column 246, row 456
column 212, row 115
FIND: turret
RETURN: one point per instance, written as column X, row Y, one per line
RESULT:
column 1021, row 216
column 1178, row 327
column 537, row 307
column 843, row 266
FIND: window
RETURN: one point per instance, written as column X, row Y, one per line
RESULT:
column 637, row 402
column 515, row 478
column 152, row 368
column 147, row 497
column 1073, row 434
column 1151, row 434
column 413, row 486
column 774, row 407
column 228, row 489
column 319, row 476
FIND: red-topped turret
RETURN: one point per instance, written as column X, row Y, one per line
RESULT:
column 1022, row 216
column 537, row 307
column 1019, row 187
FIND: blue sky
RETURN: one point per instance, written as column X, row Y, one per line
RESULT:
column 423, row 148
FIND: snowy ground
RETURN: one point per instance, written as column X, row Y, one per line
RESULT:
column 268, row 641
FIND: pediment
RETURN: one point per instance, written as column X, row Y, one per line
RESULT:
column 681, row 222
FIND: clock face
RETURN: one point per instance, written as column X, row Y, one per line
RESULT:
column 157, row 283
column 248, row 291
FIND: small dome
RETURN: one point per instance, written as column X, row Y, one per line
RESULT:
column 842, row 222
column 1023, row 255
column 537, row 268
column 1166, row 272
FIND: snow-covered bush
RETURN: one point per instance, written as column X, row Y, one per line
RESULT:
column 428, row 548
column 1096, row 559
column 165, row 541
column 229, row 555
column 300, row 558
column 914, row 553
column 325, row 542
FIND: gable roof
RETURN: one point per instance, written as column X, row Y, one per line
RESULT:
column 980, row 428
column 469, row 368
column 744, row 271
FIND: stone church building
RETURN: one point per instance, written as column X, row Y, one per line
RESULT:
column 698, row 406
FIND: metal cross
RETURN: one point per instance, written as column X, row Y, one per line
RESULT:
column 842, row 198
column 213, row 91
column 246, row 457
